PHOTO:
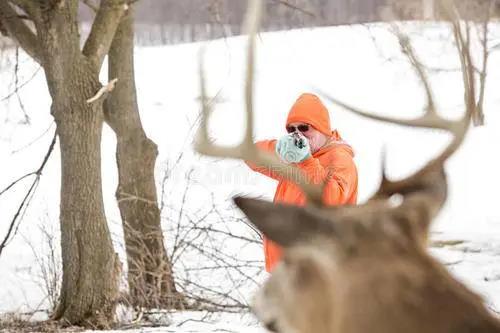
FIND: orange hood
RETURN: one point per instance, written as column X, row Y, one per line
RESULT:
column 335, row 142
column 309, row 109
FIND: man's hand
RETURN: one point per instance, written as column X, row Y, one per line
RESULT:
column 293, row 148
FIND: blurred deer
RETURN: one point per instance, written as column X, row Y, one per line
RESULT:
column 356, row 269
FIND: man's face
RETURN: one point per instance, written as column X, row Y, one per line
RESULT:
column 316, row 138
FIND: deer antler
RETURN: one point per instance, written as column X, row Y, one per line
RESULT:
column 430, row 119
column 246, row 149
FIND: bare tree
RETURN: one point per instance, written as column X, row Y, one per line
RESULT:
column 484, row 11
column 479, row 13
column 150, row 276
column 48, row 32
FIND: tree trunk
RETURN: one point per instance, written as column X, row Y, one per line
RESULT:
column 150, row 277
column 428, row 9
column 478, row 117
column 91, row 269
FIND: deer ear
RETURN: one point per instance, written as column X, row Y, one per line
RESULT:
column 285, row 224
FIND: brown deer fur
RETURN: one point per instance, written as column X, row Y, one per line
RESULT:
column 360, row 269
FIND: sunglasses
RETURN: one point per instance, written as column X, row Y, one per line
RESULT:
column 301, row 128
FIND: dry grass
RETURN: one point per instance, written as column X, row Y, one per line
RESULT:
column 12, row 322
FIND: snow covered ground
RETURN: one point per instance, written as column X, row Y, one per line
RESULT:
column 357, row 64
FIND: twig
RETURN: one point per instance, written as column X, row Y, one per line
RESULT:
column 213, row 230
column 16, row 89
column 16, row 181
column 29, row 195
column 21, row 85
column 294, row 7
column 34, row 140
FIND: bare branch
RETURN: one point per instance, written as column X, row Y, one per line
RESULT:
column 103, row 30
column 294, row 7
column 29, row 144
column 104, row 90
column 24, row 204
column 19, row 31
column 16, row 181
column 16, row 85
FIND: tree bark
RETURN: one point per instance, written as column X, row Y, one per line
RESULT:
column 150, row 278
column 91, row 269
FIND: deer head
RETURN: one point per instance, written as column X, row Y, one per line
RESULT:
column 361, row 268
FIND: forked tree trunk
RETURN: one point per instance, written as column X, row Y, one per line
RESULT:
column 478, row 117
column 91, row 269
column 150, row 278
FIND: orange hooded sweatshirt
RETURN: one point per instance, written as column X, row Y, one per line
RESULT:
column 334, row 159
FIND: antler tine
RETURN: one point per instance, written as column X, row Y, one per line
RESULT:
column 246, row 149
column 467, row 67
column 429, row 120
column 383, row 167
column 252, row 23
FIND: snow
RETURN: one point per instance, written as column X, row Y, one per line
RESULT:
column 360, row 65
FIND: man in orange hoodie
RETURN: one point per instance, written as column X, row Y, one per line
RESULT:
column 317, row 151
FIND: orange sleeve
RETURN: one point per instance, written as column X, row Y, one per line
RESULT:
column 339, row 172
column 269, row 146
